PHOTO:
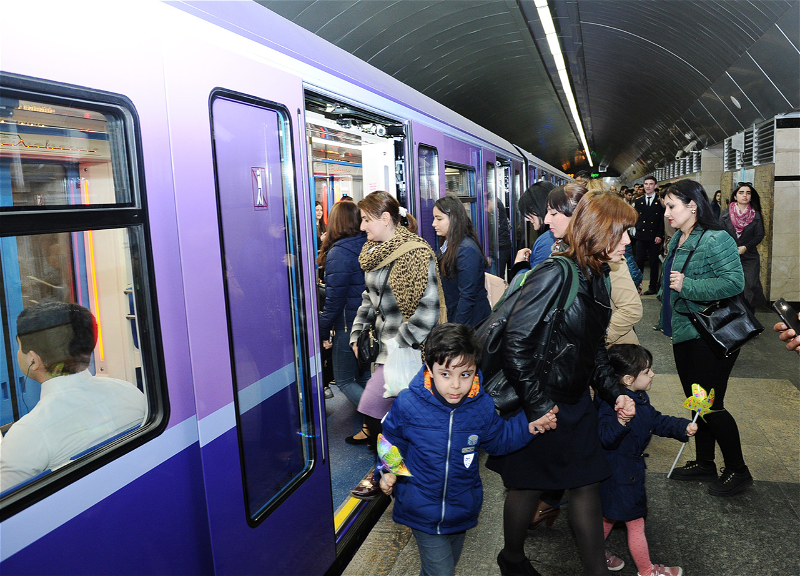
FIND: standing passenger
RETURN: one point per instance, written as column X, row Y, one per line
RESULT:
column 344, row 282
column 649, row 232
column 462, row 264
column 569, row 455
column 409, row 307
column 744, row 223
column 713, row 272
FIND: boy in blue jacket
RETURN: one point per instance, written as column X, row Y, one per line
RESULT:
column 438, row 424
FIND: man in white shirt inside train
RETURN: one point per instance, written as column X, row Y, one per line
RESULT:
column 76, row 410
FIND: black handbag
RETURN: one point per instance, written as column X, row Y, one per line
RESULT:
column 369, row 339
column 726, row 324
column 490, row 332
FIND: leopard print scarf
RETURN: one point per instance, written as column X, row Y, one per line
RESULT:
column 409, row 275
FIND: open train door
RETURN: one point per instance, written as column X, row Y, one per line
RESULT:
column 237, row 130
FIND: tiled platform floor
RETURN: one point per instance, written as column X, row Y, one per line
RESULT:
column 756, row 533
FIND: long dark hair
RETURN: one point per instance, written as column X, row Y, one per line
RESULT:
column 687, row 190
column 344, row 221
column 460, row 227
column 755, row 200
column 534, row 202
column 321, row 226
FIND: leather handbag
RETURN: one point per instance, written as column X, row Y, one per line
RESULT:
column 369, row 339
column 726, row 324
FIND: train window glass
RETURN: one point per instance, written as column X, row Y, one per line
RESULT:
column 57, row 155
column 461, row 183
column 428, row 190
column 259, row 236
column 491, row 216
column 61, row 157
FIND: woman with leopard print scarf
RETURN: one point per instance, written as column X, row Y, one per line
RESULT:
column 410, row 307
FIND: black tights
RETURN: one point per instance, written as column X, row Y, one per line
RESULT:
column 375, row 427
column 586, row 517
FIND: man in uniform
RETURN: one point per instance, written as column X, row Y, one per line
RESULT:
column 649, row 232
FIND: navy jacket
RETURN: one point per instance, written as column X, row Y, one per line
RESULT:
column 344, row 282
column 465, row 293
column 440, row 447
column 623, row 495
column 651, row 219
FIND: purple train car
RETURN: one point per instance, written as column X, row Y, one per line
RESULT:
column 159, row 164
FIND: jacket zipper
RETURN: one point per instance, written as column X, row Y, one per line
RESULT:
column 446, row 469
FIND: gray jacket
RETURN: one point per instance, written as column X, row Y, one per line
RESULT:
column 391, row 324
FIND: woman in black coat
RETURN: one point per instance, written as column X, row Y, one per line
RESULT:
column 557, row 400
column 744, row 223
column 462, row 265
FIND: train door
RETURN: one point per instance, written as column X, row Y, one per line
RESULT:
column 490, row 220
column 517, row 219
column 430, row 177
column 237, row 131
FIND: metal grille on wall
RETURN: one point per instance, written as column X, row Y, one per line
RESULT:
column 757, row 145
column 764, row 143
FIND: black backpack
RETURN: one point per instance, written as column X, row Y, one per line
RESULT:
column 491, row 333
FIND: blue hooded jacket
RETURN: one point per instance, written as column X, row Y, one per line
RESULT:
column 344, row 285
column 623, row 495
column 440, row 447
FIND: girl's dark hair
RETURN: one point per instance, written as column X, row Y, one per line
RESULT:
column 629, row 359
column 460, row 227
column 755, row 200
column 565, row 198
column 376, row 203
column 533, row 201
column 449, row 341
column 321, row 226
column 344, row 221
column 687, row 190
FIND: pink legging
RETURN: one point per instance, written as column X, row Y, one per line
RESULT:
column 637, row 543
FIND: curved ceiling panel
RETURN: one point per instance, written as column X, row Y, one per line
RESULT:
column 646, row 73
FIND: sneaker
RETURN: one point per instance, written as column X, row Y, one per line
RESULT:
column 730, row 483
column 613, row 563
column 328, row 392
column 521, row 568
column 661, row 570
column 695, row 470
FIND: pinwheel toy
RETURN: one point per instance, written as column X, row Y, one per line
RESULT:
column 701, row 403
column 391, row 460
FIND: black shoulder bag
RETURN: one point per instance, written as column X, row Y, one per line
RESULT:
column 726, row 324
column 369, row 340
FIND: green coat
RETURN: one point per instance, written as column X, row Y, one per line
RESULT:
column 714, row 272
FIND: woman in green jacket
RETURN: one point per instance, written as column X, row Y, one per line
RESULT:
column 714, row 271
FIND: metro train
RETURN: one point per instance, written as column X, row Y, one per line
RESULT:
column 160, row 166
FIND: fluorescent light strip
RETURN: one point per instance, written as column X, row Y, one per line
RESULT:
column 555, row 49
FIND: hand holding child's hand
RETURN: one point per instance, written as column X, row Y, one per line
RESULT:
column 387, row 482
column 546, row 422
column 691, row 429
column 625, row 407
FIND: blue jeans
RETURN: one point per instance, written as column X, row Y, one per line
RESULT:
column 345, row 368
column 438, row 553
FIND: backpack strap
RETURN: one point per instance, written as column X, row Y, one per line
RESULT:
column 566, row 298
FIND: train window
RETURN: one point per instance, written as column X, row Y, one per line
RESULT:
column 87, row 248
column 461, row 183
column 491, row 216
column 428, row 190
column 259, row 237
column 89, row 141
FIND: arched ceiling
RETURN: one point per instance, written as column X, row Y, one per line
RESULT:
column 645, row 73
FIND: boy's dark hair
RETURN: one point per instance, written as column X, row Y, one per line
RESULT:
column 629, row 359
column 447, row 342
column 61, row 333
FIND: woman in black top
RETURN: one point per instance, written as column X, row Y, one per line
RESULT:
column 744, row 223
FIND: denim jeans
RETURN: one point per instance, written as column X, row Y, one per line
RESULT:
column 438, row 553
column 345, row 368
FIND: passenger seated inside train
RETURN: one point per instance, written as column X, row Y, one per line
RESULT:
column 76, row 410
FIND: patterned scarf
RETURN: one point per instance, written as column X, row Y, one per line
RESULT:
column 740, row 220
column 409, row 275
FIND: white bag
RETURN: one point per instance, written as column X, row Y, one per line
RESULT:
column 402, row 364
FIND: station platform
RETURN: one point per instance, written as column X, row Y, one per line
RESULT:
column 756, row 533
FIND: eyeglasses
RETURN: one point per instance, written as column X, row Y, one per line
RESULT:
column 744, row 184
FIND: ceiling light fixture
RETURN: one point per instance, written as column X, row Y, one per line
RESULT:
column 555, row 49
